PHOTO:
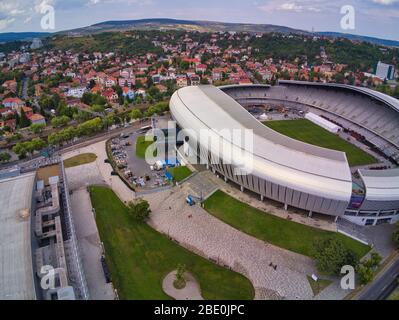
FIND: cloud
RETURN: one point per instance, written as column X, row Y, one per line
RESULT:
column 42, row 4
column 4, row 23
column 291, row 7
column 385, row 2
column 297, row 6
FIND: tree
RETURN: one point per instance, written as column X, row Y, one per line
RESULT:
column 366, row 270
column 374, row 261
column 5, row 157
column 20, row 150
column 23, row 120
column 139, row 210
column 331, row 255
column 180, row 281
column 37, row 127
column 136, row 114
column 61, row 121
column 395, row 237
column 90, row 127
column 365, row 274
column 37, row 144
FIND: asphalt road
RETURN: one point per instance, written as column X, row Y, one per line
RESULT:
column 384, row 285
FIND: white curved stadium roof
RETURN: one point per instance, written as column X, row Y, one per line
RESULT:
column 276, row 158
column 381, row 185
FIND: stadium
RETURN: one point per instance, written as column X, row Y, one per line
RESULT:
column 293, row 172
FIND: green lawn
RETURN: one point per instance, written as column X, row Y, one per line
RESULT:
column 180, row 173
column 79, row 160
column 280, row 232
column 139, row 257
column 318, row 286
column 394, row 295
column 141, row 146
column 306, row 131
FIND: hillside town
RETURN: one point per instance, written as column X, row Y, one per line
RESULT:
column 44, row 89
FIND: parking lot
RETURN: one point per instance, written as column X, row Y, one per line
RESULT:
column 136, row 170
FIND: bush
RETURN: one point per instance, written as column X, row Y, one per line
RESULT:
column 366, row 274
column 366, row 270
column 5, row 157
column 331, row 255
column 395, row 237
column 180, row 281
column 139, row 210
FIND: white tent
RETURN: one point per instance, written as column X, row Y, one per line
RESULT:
column 322, row 122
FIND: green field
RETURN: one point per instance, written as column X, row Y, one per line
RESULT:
column 180, row 173
column 318, row 286
column 80, row 159
column 141, row 146
column 139, row 257
column 280, row 232
column 306, row 131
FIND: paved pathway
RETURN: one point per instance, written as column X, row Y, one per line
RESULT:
column 191, row 291
column 90, row 246
column 202, row 233
column 97, row 172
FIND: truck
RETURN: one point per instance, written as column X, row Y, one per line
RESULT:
column 191, row 200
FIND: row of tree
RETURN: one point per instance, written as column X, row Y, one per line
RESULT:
column 87, row 128
column 331, row 255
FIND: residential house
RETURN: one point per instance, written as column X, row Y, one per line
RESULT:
column 76, row 92
column 162, row 88
column 28, row 111
column 110, row 95
column 127, row 92
column 37, row 119
column 10, row 123
column 181, row 81
column 10, row 85
column 13, row 103
column 195, row 80
column 201, row 68
column 217, row 74
column 110, row 82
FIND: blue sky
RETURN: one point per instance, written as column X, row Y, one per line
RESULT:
column 378, row 18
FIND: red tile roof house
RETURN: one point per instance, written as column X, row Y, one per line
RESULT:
column 4, row 112
column 37, row 119
column 28, row 111
column 10, row 85
column 13, row 103
column 201, row 68
column 162, row 88
column 11, row 123
column 110, row 95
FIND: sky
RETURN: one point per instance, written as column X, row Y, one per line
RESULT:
column 378, row 18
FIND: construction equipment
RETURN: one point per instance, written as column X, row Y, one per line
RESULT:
column 192, row 200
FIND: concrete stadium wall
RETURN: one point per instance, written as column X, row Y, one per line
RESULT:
column 270, row 190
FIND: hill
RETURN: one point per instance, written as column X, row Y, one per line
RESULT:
column 21, row 36
column 173, row 24
column 189, row 25
column 377, row 41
